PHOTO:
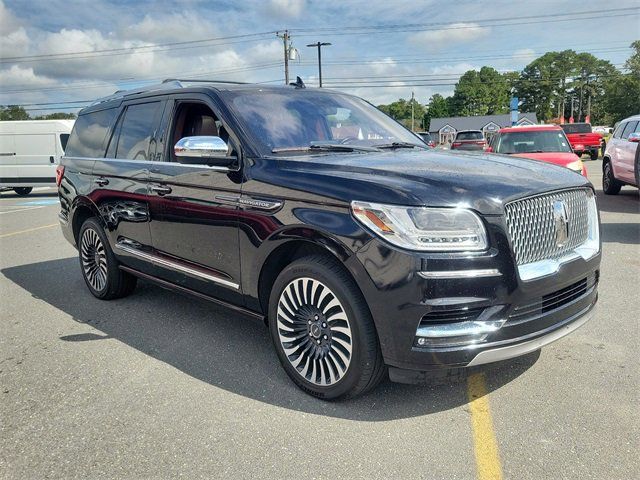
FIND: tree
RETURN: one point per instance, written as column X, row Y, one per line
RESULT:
column 542, row 85
column 57, row 116
column 622, row 91
column 437, row 107
column 13, row 112
column 484, row 92
column 400, row 110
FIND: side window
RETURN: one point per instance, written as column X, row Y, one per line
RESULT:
column 195, row 119
column 137, row 130
column 629, row 129
column 89, row 134
column 618, row 131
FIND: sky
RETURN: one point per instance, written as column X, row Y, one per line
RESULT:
column 58, row 51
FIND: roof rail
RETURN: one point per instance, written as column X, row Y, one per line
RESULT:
column 194, row 80
column 167, row 83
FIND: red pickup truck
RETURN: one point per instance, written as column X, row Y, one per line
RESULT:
column 583, row 140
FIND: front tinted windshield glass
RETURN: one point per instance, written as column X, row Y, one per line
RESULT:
column 289, row 119
column 530, row 142
column 469, row 136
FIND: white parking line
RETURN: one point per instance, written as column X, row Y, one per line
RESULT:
column 23, row 209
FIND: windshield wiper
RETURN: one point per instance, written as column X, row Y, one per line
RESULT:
column 396, row 145
column 326, row 147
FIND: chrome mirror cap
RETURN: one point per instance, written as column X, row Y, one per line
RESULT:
column 200, row 147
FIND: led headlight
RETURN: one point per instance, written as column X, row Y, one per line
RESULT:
column 576, row 166
column 423, row 228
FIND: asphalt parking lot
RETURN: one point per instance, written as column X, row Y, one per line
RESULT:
column 161, row 385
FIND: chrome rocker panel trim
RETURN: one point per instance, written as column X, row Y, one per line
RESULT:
column 163, row 262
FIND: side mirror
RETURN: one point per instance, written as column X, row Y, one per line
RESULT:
column 203, row 151
column 634, row 137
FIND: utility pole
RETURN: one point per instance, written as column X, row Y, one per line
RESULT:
column 319, row 45
column 412, row 112
column 285, row 41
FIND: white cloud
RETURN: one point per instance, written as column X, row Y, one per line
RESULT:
column 454, row 33
column 175, row 27
column 286, row 8
column 17, row 76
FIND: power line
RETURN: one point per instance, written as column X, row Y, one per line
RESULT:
column 471, row 23
column 137, row 49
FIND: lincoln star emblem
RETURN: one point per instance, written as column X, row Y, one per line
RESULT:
column 561, row 222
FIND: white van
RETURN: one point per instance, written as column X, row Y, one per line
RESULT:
column 30, row 151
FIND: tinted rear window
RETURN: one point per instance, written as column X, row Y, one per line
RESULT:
column 576, row 128
column 469, row 136
column 90, row 133
column 137, row 129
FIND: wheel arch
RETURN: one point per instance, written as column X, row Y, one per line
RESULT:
column 288, row 246
column 83, row 209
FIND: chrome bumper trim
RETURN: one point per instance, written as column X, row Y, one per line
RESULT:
column 485, row 272
column 163, row 262
column 511, row 351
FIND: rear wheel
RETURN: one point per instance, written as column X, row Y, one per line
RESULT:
column 322, row 330
column 610, row 185
column 23, row 191
column 593, row 154
column 99, row 265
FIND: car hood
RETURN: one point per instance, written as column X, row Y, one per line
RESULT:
column 557, row 158
column 481, row 182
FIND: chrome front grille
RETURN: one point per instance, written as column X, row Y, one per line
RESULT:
column 533, row 228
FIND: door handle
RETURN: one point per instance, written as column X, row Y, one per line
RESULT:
column 161, row 189
column 102, row 181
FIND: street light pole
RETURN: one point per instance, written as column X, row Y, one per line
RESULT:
column 319, row 45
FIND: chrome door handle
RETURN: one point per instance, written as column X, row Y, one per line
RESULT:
column 161, row 189
column 102, row 181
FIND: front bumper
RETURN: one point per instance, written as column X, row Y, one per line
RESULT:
column 468, row 319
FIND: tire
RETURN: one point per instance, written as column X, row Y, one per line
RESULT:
column 610, row 186
column 99, row 265
column 593, row 154
column 23, row 191
column 318, row 312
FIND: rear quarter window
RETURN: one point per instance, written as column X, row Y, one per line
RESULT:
column 89, row 134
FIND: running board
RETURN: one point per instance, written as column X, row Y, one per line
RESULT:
column 181, row 289
column 130, row 247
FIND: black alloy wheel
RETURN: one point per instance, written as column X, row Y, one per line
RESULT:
column 610, row 186
column 100, row 268
column 322, row 329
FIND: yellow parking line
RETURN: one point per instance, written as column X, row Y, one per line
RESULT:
column 4, row 235
column 484, row 440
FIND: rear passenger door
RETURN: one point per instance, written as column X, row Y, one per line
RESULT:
column 120, row 182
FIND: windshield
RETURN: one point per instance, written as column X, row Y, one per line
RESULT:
column 301, row 118
column 532, row 142
column 576, row 128
column 469, row 136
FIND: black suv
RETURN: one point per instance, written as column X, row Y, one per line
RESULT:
column 364, row 250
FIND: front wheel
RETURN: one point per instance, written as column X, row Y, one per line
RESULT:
column 23, row 191
column 99, row 265
column 322, row 330
column 610, row 186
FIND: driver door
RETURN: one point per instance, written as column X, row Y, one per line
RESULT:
column 194, row 209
